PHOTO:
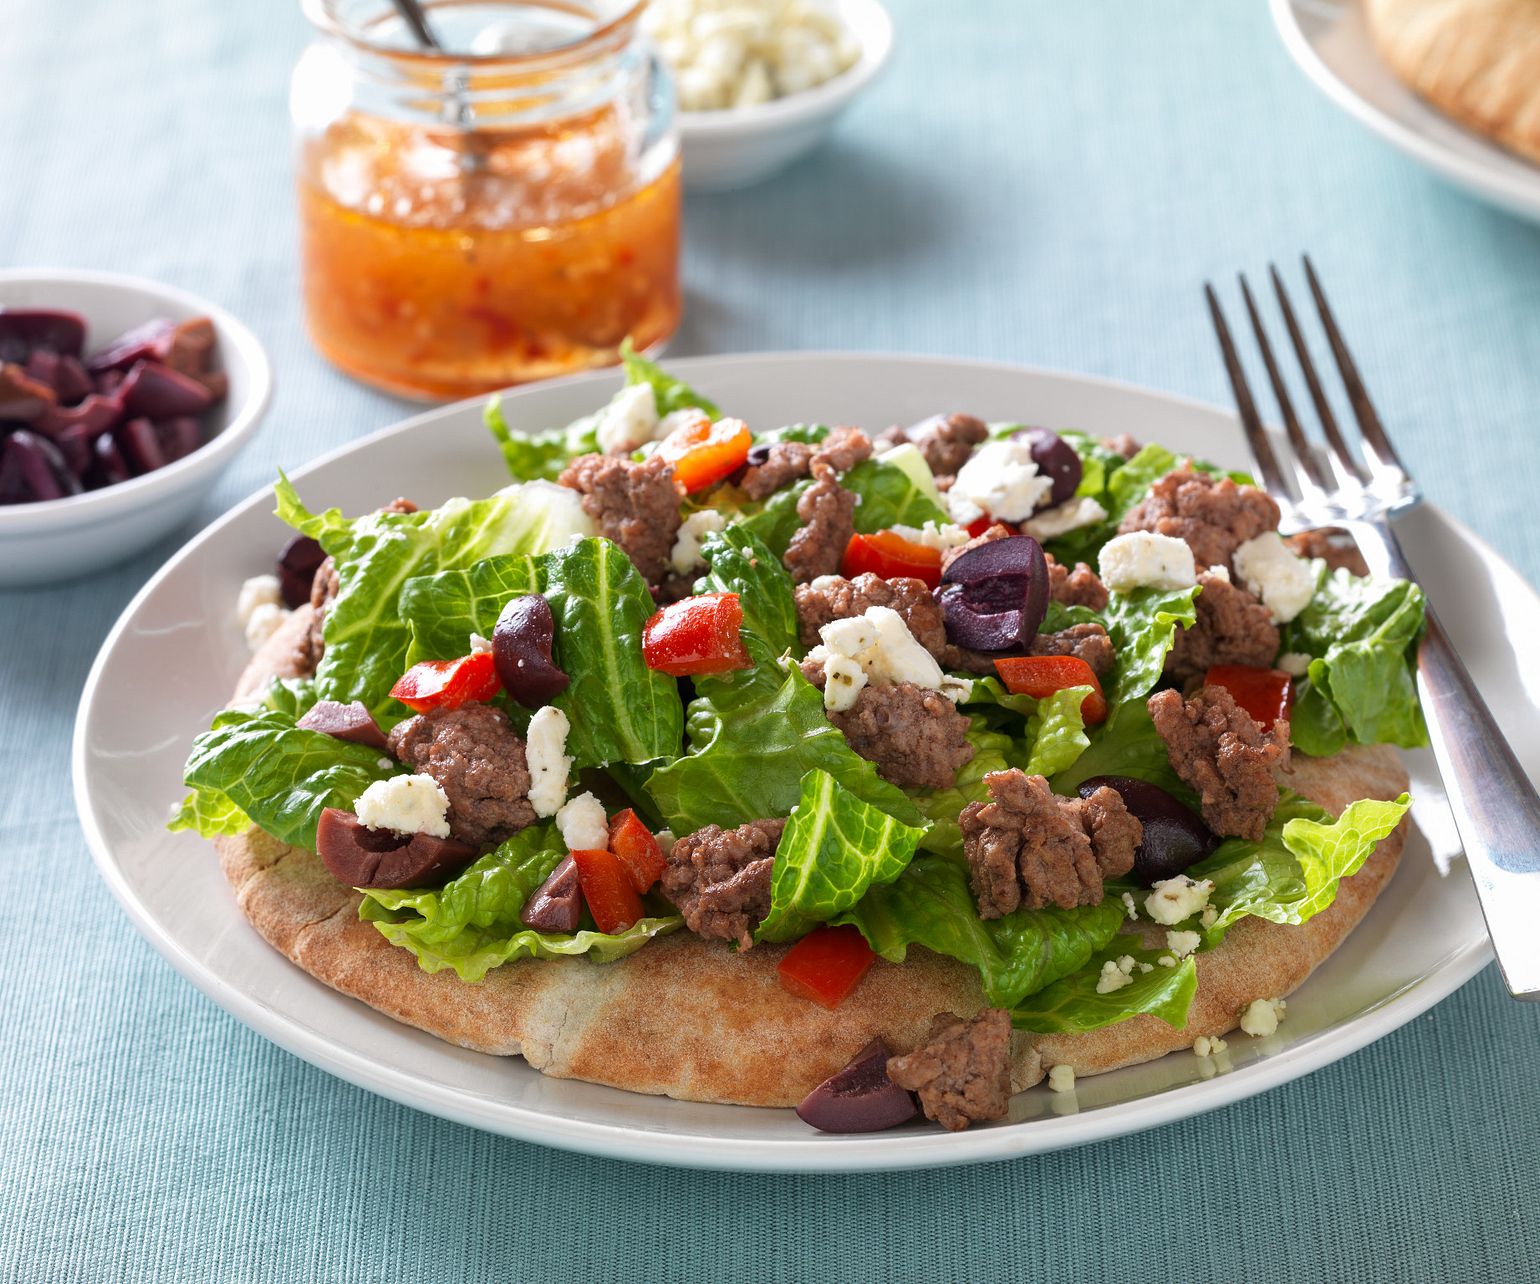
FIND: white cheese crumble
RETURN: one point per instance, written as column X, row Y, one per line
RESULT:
column 1061, row 1078
column 736, row 53
column 1175, row 899
column 1204, row 1046
column 262, row 623
column 583, row 824
column 1115, row 974
column 405, row 805
column 1000, row 479
column 666, row 840
column 1182, row 944
column 1283, row 581
column 545, row 747
column 1209, row 917
column 630, row 418
column 685, row 556
column 937, row 535
column 1071, row 515
column 1165, row 960
column 480, row 645
column 1142, row 559
column 877, row 647
column 1261, row 1018
column 1219, row 573
column 259, row 609
column 1128, row 905
column 1295, row 663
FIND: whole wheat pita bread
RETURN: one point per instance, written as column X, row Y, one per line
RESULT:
column 690, row 1019
column 1475, row 60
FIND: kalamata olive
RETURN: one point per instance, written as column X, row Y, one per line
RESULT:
column 557, row 904
column 158, row 392
column 351, row 722
column 1174, row 837
column 297, row 565
column 521, row 651
column 179, row 436
column 24, row 329
column 74, row 443
column 40, row 468
column 107, row 465
column 96, row 414
column 149, row 341
column 859, row 1098
column 1054, row 458
column 22, row 397
column 191, row 346
column 140, row 445
column 994, row 597
column 364, row 857
column 758, row 454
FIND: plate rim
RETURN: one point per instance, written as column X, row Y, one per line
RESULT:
column 816, row 1153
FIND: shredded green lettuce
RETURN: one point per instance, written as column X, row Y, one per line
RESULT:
column 1143, row 625
column 737, row 562
column 671, row 394
column 1074, row 1004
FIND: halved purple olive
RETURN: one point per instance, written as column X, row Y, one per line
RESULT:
column 179, row 437
column 352, row 722
column 1057, row 459
column 521, row 651
column 859, row 1098
column 158, row 392
column 22, row 397
column 22, row 330
column 557, row 904
column 1174, row 836
column 74, row 444
column 140, row 444
column 34, row 463
column 362, row 857
column 149, row 341
column 297, row 565
column 994, row 597
column 96, row 414
column 108, row 467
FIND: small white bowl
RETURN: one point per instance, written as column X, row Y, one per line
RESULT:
column 739, row 146
column 58, row 539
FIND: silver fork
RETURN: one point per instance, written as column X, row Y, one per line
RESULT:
column 1495, row 807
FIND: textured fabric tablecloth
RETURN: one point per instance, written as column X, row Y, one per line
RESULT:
column 1043, row 182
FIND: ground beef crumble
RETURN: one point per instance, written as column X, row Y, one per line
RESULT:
column 914, row 736
column 779, row 463
column 833, row 597
column 962, row 1073
column 827, row 511
column 1218, row 749
column 634, row 504
column 1075, row 586
column 1333, row 545
column 1213, row 514
column 1231, row 627
column 947, row 441
column 720, row 879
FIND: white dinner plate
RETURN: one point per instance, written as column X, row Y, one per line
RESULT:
column 1330, row 41
column 173, row 658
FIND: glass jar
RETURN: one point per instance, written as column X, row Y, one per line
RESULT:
column 504, row 212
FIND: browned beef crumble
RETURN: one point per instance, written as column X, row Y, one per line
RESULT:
column 962, row 1072
column 1075, row 586
column 634, row 504
column 1213, row 514
column 1122, row 444
column 1088, row 642
column 788, row 461
column 478, row 760
column 720, row 879
column 1218, row 749
column 1028, row 846
column 1334, row 546
column 947, row 441
column 1232, row 627
column 836, row 598
column 827, row 511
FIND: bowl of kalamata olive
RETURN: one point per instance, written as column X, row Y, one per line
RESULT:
column 121, row 400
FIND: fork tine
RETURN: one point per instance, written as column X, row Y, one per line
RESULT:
column 1307, row 466
column 1341, row 454
column 1256, row 435
column 1382, row 455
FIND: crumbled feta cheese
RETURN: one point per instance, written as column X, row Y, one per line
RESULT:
column 405, row 805
column 259, row 590
column 1142, row 559
column 1113, row 977
column 1000, row 479
column 545, row 746
column 938, row 535
column 628, row 420
column 480, row 645
column 1294, row 663
column 666, row 840
column 1219, row 573
column 1209, row 917
column 1165, row 960
column 1206, row 1046
column 1061, row 1078
column 1183, row 943
column 1146, row 967
column 1284, row 581
column 685, row 556
column 1261, row 1018
column 264, row 621
column 1071, row 515
column 878, row 647
column 1175, row 899
column 1128, row 905
column 583, row 825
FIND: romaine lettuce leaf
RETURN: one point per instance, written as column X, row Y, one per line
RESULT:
column 1073, row 1005
column 739, row 563
column 671, row 394
column 619, row 709
column 1127, row 744
column 930, row 904
column 834, row 848
column 1143, row 626
column 471, row 924
column 992, row 751
column 540, row 456
column 365, row 633
column 1053, row 731
column 208, row 813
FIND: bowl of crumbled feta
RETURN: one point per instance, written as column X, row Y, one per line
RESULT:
column 760, row 82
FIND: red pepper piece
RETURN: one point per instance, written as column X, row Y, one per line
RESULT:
column 447, row 684
column 696, row 635
column 607, row 890
column 979, row 525
column 704, row 453
column 826, row 964
column 636, row 849
column 1266, row 694
column 1041, row 675
column 889, row 554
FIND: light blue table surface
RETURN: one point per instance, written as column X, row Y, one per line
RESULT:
column 1039, row 182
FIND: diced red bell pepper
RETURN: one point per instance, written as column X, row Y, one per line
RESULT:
column 889, row 554
column 636, row 849
column 447, row 684
column 696, row 635
column 703, row 453
column 826, row 964
column 979, row 525
column 607, row 891
column 1041, row 675
column 1266, row 694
